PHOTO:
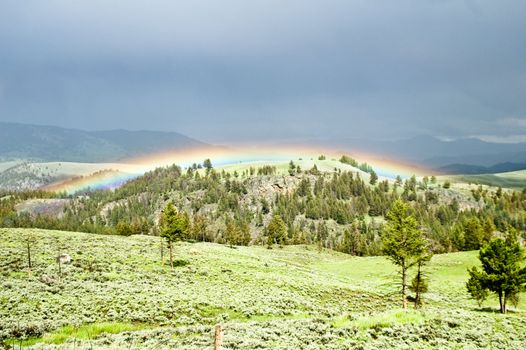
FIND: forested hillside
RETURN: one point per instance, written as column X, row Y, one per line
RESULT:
column 340, row 210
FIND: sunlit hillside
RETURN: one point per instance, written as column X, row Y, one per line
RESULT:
column 117, row 293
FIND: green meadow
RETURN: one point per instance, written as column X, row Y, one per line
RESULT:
column 118, row 294
column 512, row 179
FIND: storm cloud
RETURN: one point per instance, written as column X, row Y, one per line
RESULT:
column 234, row 70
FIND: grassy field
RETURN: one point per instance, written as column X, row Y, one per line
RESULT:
column 282, row 167
column 117, row 294
column 4, row 165
column 513, row 179
column 305, row 164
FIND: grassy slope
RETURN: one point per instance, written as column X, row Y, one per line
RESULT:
column 282, row 167
column 68, row 169
column 513, row 179
column 293, row 297
column 4, row 165
column 32, row 175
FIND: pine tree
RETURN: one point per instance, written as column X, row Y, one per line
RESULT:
column 123, row 228
column 207, row 164
column 425, row 181
column 292, row 168
column 502, row 271
column 404, row 243
column 276, row 231
column 232, row 232
column 174, row 227
column 419, row 284
column 199, row 227
column 373, row 178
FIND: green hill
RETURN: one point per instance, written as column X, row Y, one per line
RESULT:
column 512, row 179
column 117, row 294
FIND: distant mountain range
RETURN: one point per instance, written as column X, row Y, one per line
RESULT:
column 461, row 156
column 50, row 143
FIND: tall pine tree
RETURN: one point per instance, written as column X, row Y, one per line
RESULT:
column 404, row 243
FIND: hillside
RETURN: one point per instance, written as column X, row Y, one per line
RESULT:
column 512, row 179
column 49, row 143
column 467, row 169
column 294, row 297
column 23, row 175
column 331, row 204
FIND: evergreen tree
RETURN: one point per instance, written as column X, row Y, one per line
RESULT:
column 244, row 237
column 123, row 228
column 232, row 233
column 292, row 168
column 174, row 227
column 473, row 234
column 373, row 178
column 276, row 231
column 425, row 182
column 199, row 227
column 303, row 188
column 475, row 286
column 502, row 271
column 419, row 284
column 207, row 164
column 322, row 234
column 404, row 243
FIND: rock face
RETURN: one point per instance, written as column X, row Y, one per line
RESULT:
column 266, row 187
column 447, row 196
column 64, row 259
column 43, row 207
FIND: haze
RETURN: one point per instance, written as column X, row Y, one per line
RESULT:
column 244, row 71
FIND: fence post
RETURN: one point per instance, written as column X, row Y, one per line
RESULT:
column 218, row 337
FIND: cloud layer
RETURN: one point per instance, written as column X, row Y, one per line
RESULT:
column 235, row 70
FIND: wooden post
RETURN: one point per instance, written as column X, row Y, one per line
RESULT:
column 171, row 256
column 29, row 255
column 59, row 266
column 162, row 251
column 29, row 265
column 218, row 337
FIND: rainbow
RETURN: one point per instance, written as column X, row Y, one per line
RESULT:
column 224, row 157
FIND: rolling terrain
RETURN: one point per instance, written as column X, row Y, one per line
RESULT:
column 118, row 294
column 23, row 175
column 52, row 144
column 512, row 179
column 322, row 285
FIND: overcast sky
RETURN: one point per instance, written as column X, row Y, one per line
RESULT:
column 236, row 70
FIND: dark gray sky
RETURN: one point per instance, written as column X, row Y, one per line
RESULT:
column 235, row 70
